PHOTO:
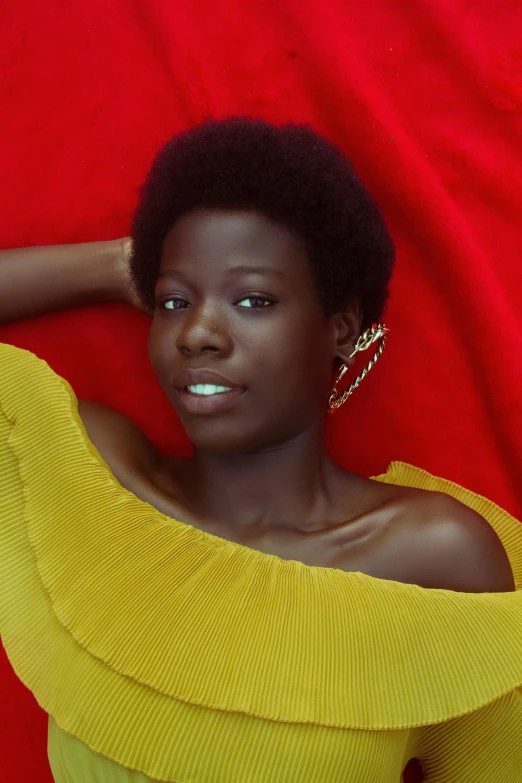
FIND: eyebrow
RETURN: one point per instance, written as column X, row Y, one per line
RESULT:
column 244, row 269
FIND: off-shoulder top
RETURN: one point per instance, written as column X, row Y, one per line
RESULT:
column 163, row 652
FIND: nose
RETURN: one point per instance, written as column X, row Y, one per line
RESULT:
column 204, row 329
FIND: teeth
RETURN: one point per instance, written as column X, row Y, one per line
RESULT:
column 207, row 389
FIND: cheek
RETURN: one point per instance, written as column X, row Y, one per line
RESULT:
column 309, row 347
column 294, row 364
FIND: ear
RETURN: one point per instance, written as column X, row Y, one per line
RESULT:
column 347, row 329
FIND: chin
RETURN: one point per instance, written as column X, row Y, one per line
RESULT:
column 219, row 437
column 216, row 436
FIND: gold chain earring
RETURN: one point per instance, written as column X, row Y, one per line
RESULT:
column 376, row 332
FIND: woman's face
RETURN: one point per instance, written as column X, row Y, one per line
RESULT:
column 236, row 297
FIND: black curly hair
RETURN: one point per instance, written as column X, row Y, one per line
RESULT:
column 289, row 174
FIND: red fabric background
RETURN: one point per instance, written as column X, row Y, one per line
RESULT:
column 425, row 97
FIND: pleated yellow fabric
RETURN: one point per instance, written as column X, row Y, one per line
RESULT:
column 161, row 651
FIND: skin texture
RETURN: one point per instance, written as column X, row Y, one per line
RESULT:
column 260, row 474
column 262, row 462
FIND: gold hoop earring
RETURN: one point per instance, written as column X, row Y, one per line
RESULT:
column 376, row 332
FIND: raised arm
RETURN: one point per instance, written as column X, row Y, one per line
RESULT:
column 38, row 280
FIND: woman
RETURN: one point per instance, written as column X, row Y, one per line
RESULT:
column 255, row 613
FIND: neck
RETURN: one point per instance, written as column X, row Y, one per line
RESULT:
column 291, row 486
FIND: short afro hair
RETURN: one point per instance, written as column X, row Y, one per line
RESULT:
column 289, row 174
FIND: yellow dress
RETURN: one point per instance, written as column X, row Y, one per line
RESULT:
column 164, row 652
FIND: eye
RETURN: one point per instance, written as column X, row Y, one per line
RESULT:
column 256, row 302
column 178, row 304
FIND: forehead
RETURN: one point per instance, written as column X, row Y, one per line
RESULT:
column 222, row 237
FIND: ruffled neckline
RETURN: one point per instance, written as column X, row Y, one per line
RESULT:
column 107, row 601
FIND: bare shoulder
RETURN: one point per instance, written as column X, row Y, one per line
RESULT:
column 457, row 548
column 132, row 457
column 121, row 443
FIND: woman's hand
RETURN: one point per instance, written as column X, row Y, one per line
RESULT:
column 131, row 295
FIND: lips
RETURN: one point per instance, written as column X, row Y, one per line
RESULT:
column 201, row 405
column 195, row 377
